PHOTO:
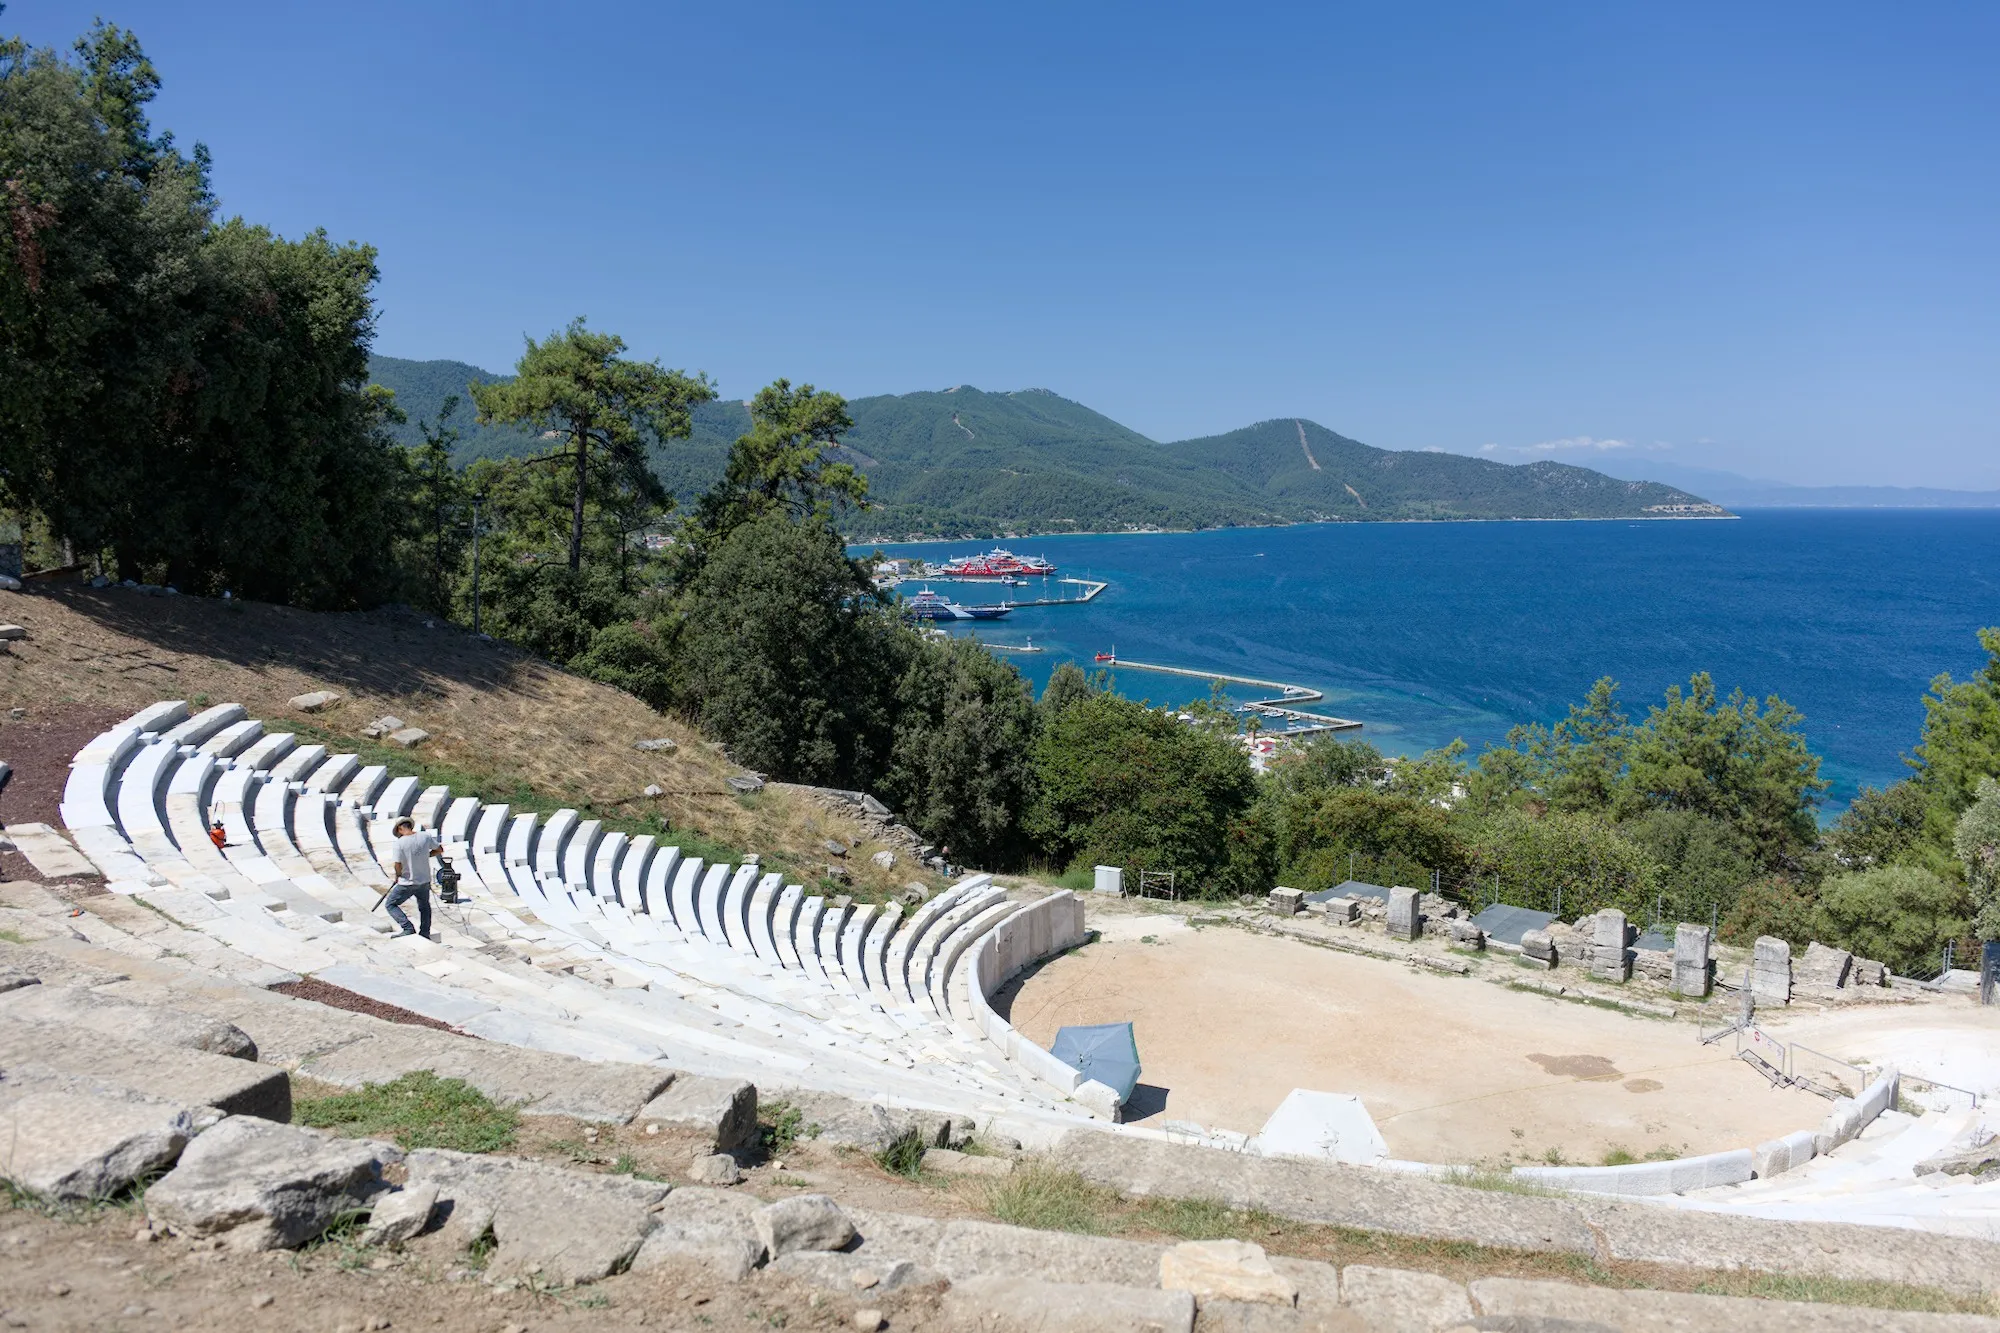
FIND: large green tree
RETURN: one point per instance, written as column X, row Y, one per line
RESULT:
column 1961, row 740
column 1125, row 784
column 783, row 649
column 959, row 766
column 785, row 464
column 579, row 386
column 1976, row 840
column 1899, row 915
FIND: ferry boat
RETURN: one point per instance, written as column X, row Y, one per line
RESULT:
column 999, row 563
column 928, row 605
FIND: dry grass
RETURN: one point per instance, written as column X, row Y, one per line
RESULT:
column 501, row 722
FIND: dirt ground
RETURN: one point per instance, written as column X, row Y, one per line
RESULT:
column 494, row 713
column 1452, row 1069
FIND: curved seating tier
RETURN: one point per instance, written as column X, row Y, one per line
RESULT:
column 570, row 937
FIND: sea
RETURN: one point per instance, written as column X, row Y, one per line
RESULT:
column 1430, row 632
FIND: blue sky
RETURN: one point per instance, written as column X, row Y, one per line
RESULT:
column 1750, row 237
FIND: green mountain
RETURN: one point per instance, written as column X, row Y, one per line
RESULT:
column 966, row 463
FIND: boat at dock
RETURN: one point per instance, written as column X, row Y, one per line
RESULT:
column 999, row 563
column 929, row 605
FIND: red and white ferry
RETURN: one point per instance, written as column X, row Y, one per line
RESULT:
column 999, row 563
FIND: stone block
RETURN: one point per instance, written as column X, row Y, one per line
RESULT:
column 1539, row 945
column 1677, row 1176
column 398, row 1215
column 1341, row 911
column 1771, row 971
column 264, row 1186
column 851, row 1274
column 560, row 1226
column 657, row 745
column 1781, row 1155
column 715, row 1169
column 175, row 1074
column 1285, row 902
column 316, row 701
column 1108, row 879
column 722, row 1110
column 72, row 1147
column 1465, row 935
column 1823, row 967
column 1225, row 1270
column 141, row 1022
column 802, row 1222
column 710, row 1228
column 870, row 1126
column 1868, row 972
column 408, row 737
column 1610, row 959
column 1975, row 1161
column 1405, row 919
column 1562, row 1307
column 1692, row 973
column 1397, row 1300
column 971, row 1249
column 885, row 859
column 1027, row 1305
column 382, row 726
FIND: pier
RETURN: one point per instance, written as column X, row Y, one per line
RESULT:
column 1090, row 591
column 1279, row 707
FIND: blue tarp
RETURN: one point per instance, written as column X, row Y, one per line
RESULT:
column 1102, row 1051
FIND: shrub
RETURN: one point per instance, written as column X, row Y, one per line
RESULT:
column 1900, row 915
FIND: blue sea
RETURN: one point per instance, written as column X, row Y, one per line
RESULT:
column 1429, row 631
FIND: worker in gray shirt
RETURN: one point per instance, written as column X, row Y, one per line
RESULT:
column 414, row 849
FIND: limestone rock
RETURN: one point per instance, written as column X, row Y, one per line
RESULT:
column 913, row 895
column 13, row 978
column 1341, row 911
column 314, row 702
column 804, row 1222
column 717, row 1168
column 705, row 1226
column 1284, row 902
column 1868, row 972
column 1964, row 1162
column 1610, row 958
column 1466, row 935
column 653, row 791
column 400, row 1214
column 1225, row 1270
column 849, row 1273
column 1025, row 1305
column 885, row 859
column 560, row 1226
column 1396, row 1299
column 838, row 874
column 873, row 806
column 1771, row 971
column 1823, row 967
column 409, row 738
column 8, row 583
column 81, row 1007
column 382, row 726
column 1691, row 966
column 657, row 745
column 834, row 847
column 1538, row 944
column 723, row 1110
column 747, row 785
column 71, row 1147
column 1405, row 920
column 843, row 1122
column 266, row 1186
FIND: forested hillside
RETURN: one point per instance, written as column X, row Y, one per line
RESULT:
column 965, row 462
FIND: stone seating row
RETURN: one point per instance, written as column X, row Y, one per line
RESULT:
column 572, row 937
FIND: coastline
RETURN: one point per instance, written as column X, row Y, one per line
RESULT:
column 929, row 540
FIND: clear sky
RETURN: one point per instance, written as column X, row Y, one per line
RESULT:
column 1756, row 237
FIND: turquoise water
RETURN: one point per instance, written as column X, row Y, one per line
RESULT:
column 1429, row 631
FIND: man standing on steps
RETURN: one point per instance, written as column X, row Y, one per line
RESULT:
column 414, row 849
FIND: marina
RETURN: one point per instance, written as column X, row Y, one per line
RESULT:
column 1306, row 723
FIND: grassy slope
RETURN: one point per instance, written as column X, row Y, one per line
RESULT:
column 505, row 726
column 967, row 462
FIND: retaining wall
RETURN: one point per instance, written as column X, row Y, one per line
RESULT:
column 1027, row 936
column 1671, row 1177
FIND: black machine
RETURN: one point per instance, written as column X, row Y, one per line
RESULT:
column 447, row 881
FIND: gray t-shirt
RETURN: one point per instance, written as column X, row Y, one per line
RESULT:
column 413, row 850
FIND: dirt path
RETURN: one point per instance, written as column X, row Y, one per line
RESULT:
column 1452, row 1069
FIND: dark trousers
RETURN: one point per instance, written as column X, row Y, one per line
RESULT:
column 401, row 894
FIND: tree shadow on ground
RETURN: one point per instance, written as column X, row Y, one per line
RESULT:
column 389, row 651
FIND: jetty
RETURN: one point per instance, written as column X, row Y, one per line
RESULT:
column 1282, row 706
column 1090, row 591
